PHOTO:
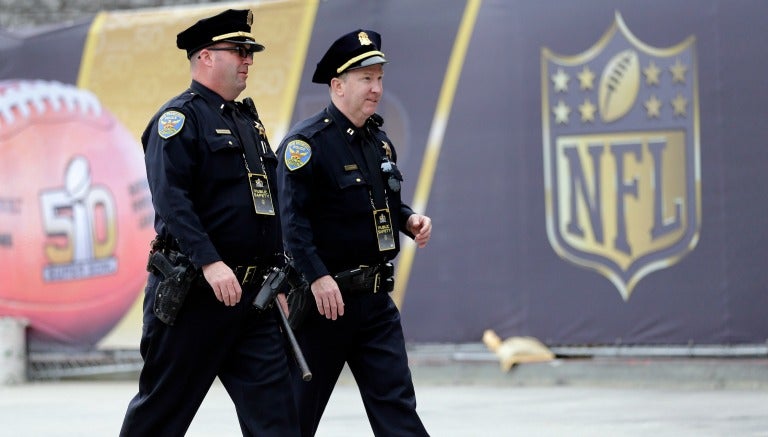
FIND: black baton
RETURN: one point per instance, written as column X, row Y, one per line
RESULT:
column 306, row 374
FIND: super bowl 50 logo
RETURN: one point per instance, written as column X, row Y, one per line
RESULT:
column 621, row 155
column 80, row 220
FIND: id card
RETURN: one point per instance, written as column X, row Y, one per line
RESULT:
column 262, row 198
column 384, row 234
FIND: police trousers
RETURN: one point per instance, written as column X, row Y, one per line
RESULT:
column 243, row 348
column 369, row 338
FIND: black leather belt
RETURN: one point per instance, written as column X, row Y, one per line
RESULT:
column 246, row 275
column 253, row 274
column 367, row 279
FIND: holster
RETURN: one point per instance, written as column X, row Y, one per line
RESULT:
column 178, row 275
column 300, row 303
column 286, row 280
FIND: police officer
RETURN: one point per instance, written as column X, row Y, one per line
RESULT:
column 212, row 174
column 340, row 201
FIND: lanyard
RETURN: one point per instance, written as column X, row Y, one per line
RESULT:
column 367, row 145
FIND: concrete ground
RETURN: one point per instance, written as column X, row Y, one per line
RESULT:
column 461, row 392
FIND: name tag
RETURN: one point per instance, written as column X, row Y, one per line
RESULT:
column 223, row 131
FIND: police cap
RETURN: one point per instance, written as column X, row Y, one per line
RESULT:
column 232, row 25
column 357, row 49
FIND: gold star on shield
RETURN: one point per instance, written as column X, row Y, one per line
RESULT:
column 560, row 80
column 678, row 71
column 653, row 107
column 652, row 74
column 561, row 111
column 587, row 110
column 680, row 103
column 586, row 78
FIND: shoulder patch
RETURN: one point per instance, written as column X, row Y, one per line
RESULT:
column 169, row 124
column 297, row 154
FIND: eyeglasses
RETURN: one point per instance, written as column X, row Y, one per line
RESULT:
column 241, row 51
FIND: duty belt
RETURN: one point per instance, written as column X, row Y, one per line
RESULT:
column 246, row 275
column 367, row 279
column 252, row 275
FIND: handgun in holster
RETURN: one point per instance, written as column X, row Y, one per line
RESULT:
column 178, row 274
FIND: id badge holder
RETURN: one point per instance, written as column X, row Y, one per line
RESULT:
column 262, row 197
column 385, row 235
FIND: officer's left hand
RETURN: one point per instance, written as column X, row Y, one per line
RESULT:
column 421, row 228
column 328, row 297
column 283, row 302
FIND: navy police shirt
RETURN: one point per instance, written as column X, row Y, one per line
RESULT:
column 199, row 183
column 327, row 195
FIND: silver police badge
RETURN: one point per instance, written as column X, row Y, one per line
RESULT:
column 621, row 155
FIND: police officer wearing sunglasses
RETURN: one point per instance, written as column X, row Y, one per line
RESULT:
column 212, row 177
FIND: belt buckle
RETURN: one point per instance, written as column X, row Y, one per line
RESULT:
column 376, row 282
column 250, row 271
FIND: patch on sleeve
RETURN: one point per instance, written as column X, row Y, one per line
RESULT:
column 169, row 124
column 297, row 154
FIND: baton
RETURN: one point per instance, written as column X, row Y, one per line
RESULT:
column 306, row 374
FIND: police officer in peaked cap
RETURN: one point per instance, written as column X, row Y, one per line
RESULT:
column 340, row 200
column 212, row 177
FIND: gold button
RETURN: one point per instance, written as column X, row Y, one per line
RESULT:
column 357, row 180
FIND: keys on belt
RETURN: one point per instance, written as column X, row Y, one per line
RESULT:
column 367, row 279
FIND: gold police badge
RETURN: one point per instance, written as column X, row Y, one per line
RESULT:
column 621, row 155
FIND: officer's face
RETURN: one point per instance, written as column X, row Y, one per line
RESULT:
column 232, row 67
column 361, row 91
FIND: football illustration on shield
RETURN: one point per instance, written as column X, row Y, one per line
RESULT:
column 619, row 85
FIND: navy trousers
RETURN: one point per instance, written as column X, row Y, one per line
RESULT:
column 245, row 349
column 369, row 338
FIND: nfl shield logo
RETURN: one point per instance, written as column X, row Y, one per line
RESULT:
column 621, row 155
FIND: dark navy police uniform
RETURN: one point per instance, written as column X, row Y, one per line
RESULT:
column 328, row 194
column 194, row 153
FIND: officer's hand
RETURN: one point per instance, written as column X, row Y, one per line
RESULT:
column 328, row 297
column 225, row 285
column 421, row 228
column 283, row 302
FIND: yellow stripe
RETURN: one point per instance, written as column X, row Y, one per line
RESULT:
column 294, row 78
column 357, row 58
column 234, row 34
column 435, row 141
column 86, row 62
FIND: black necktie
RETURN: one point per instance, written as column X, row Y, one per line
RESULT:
column 245, row 134
column 373, row 162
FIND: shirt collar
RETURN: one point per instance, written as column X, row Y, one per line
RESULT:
column 210, row 96
column 349, row 129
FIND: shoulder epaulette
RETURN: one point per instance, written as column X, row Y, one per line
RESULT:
column 312, row 125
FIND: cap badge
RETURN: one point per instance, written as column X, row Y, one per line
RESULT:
column 363, row 37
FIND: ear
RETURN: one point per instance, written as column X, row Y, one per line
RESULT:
column 204, row 56
column 337, row 86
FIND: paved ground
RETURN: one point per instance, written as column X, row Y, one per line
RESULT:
column 95, row 408
column 461, row 392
